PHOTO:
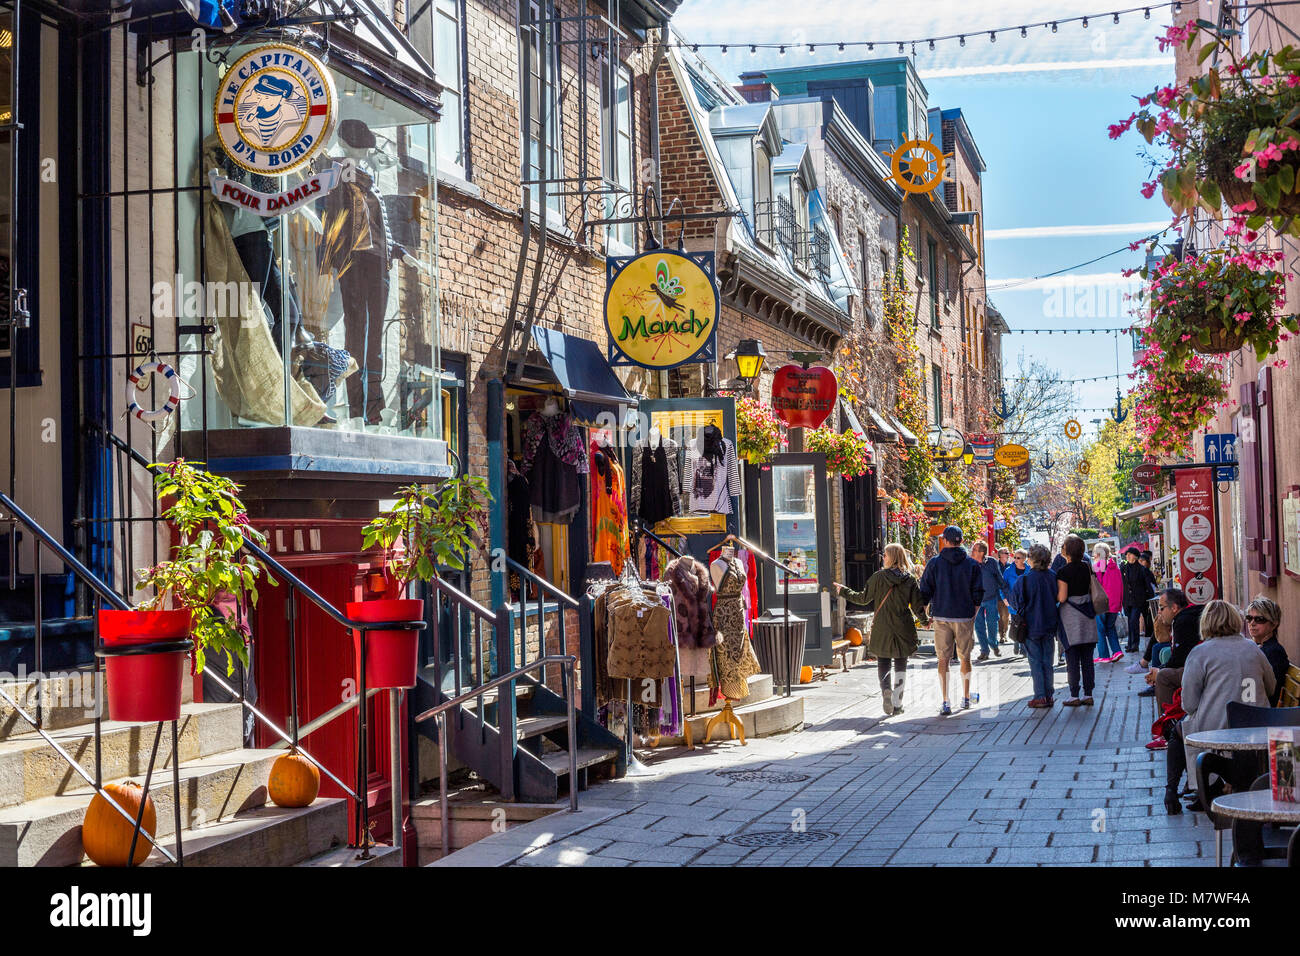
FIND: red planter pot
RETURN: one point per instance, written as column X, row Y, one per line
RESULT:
column 391, row 656
column 144, row 687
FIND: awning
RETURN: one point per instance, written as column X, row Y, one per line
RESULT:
column 852, row 423
column 1158, row 504
column 881, row 429
column 909, row 439
column 579, row 365
column 937, row 495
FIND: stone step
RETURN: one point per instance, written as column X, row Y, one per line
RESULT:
column 776, row 715
column 587, row 757
column 69, row 698
column 30, row 768
column 47, row 831
column 760, row 688
column 346, row 856
column 471, row 821
column 267, row 836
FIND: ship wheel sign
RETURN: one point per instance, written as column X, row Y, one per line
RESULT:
column 1083, row 468
column 917, row 166
column 1073, row 429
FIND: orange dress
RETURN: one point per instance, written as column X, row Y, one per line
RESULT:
column 609, row 538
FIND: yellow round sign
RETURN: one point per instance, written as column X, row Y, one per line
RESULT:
column 661, row 309
column 1073, row 429
column 1011, row 456
column 1084, row 468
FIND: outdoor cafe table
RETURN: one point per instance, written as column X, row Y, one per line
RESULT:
column 1236, row 738
column 1257, row 805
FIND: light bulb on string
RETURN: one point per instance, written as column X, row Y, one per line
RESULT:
column 913, row 48
column 841, row 49
column 962, row 40
column 993, row 37
column 1053, row 26
column 1146, row 13
column 1085, row 23
column 1115, row 17
column 1024, row 32
column 782, row 51
column 695, row 48
column 812, row 48
column 724, row 50
column 752, row 49
column 932, row 46
column 901, row 48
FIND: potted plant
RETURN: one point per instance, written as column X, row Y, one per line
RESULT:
column 847, row 453
column 426, row 527
column 1217, row 302
column 203, row 593
column 1174, row 398
column 758, row 431
column 1232, row 133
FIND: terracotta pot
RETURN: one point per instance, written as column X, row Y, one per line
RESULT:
column 144, row 687
column 391, row 656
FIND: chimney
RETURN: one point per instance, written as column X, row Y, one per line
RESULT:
column 756, row 88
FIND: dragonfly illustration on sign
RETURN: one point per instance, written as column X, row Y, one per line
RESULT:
column 667, row 286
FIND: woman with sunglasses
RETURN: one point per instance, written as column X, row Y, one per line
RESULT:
column 1263, row 617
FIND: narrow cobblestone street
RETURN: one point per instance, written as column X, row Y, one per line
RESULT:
column 998, row 784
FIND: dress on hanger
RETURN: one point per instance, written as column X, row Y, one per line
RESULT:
column 520, row 533
column 554, row 457
column 734, row 661
column 609, row 540
column 693, row 615
column 653, row 487
column 712, row 473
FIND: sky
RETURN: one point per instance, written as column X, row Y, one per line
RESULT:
column 1058, row 191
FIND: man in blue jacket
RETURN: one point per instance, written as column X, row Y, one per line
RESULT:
column 951, row 586
column 995, row 592
column 1011, row 574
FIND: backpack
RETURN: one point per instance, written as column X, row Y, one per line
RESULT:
column 1100, row 600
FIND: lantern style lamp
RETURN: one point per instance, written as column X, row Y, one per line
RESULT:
column 749, row 357
column 967, row 453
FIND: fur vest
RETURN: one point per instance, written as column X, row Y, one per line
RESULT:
column 692, row 602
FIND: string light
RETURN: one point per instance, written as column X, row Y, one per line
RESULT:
column 1146, row 13
column 841, row 50
column 932, row 44
column 963, row 41
column 1116, row 16
column 782, row 51
column 993, row 37
column 724, row 50
column 1053, row 26
column 695, row 48
column 1085, row 23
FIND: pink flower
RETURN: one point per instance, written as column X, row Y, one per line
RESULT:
column 1280, row 363
column 1292, row 79
column 1166, row 96
column 1148, row 189
column 1266, row 81
column 1241, row 172
column 1249, row 205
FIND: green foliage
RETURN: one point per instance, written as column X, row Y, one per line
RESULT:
column 1087, row 534
column 206, row 572
column 436, row 525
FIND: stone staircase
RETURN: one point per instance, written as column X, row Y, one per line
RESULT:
column 226, row 815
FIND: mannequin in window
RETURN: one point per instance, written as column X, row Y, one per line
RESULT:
column 359, row 249
column 653, row 485
column 712, row 472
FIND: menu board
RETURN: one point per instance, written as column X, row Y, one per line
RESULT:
column 1291, row 532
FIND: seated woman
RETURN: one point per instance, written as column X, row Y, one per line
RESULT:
column 1263, row 617
column 1225, row 666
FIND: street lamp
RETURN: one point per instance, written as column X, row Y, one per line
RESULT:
column 967, row 453
column 749, row 357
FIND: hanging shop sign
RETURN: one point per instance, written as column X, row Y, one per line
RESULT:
column 804, row 397
column 982, row 446
column 1011, row 456
column 275, row 204
column 1073, row 429
column 274, row 109
column 1146, row 474
column 1198, row 565
column 1022, row 472
column 661, row 308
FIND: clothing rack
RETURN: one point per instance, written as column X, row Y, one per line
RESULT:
column 643, row 530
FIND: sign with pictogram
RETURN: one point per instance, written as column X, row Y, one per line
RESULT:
column 1221, row 451
column 1198, row 565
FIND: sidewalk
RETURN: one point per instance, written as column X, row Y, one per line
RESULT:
column 998, row 784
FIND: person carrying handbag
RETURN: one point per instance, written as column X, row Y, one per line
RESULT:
column 894, row 595
column 1081, row 598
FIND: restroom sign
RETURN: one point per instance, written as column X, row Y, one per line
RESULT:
column 274, row 109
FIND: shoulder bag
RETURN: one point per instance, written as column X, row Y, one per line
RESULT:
column 1100, row 601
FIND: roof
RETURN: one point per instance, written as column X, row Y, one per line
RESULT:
column 996, row 322
column 958, row 120
column 882, row 428
column 792, row 155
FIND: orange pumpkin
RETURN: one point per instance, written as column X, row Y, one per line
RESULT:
column 106, row 834
column 854, row 636
column 805, row 675
column 295, row 781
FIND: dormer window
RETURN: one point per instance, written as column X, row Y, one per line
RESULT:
column 764, row 213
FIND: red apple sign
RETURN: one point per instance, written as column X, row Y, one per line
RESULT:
column 804, row 397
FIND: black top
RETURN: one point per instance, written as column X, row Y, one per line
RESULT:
column 1077, row 576
column 1185, row 630
column 1278, row 660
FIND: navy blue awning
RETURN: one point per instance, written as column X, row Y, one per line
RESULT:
column 583, row 372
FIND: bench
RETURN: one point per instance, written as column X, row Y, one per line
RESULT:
column 1290, row 696
column 841, row 649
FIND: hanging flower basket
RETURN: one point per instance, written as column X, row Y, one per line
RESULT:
column 758, row 431
column 1174, row 398
column 847, row 453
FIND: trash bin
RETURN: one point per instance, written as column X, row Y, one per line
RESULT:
column 782, row 662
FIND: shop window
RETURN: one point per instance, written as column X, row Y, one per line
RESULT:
column 323, row 316
column 932, row 248
column 540, row 50
column 616, row 147
column 764, row 219
column 794, row 501
column 936, row 387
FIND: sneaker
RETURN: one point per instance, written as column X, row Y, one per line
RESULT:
column 1087, row 701
column 898, row 710
column 887, row 702
column 966, row 701
column 1101, row 660
column 997, row 652
column 1117, row 656
column 1134, row 668
column 1039, row 702
column 1149, row 692
column 1073, row 702
column 945, row 710
column 1158, row 743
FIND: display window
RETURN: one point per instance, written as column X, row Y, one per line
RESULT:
column 320, row 314
column 794, row 493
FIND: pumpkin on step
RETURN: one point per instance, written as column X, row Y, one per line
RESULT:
column 854, row 636
column 294, row 782
column 106, row 834
column 805, row 674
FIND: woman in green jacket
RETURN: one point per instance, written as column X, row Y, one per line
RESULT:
column 892, row 592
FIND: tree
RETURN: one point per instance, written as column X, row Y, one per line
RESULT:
column 1039, row 404
column 1108, row 488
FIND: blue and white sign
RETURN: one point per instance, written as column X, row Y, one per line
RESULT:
column 1221, row 451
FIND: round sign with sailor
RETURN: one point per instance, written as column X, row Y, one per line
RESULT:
column 274, row 109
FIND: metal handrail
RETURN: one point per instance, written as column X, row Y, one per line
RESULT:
column 439, row 713
column 545, row 589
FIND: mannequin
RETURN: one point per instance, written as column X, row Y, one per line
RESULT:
column 551, row 408
column 361, row 252
column 656, row 436
column 719, row 567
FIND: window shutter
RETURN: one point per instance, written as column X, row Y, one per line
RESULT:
column 1268, row 543
column 1248, row 453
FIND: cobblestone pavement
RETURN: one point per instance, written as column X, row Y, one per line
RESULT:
column 998, row 784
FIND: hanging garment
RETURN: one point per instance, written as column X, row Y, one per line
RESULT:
column 653, row 489
column 554, row 457
column 750, row 598
column 712, row 473
column 734, row 661
column 692, row 602
column 639, row 646
column 520, row 531
column 609, row 541
column 607, row 688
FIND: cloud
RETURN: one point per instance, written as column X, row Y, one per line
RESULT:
column 998, row 69
column 1136, row 229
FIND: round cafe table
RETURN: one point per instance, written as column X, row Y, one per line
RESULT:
column 1237, row 738
column 1257, row 805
